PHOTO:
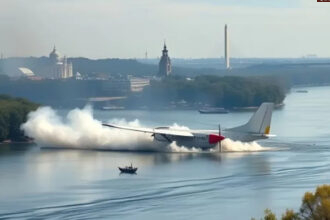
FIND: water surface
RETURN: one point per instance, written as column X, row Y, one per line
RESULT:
column 39, row 182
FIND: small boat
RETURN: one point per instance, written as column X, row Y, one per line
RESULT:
column 128, row 169
column 210, row 110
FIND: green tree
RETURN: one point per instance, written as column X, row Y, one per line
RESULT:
column 228, row 91
column 315, row 206
column 290, row 215
column 13, row 112
column 269, row 215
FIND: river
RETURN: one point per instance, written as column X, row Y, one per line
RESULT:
column 37, row 181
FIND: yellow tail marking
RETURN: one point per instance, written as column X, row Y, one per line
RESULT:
column 267, row 130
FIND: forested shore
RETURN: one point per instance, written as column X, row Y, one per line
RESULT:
column 13, row 112
column 228, row 91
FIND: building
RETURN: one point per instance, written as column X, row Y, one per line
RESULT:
column 165, row 67
column 227, row 61
column 27, row 73
column 138, row 83
column 59, row 67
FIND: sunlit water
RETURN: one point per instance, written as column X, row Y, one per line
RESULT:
column 38, row 182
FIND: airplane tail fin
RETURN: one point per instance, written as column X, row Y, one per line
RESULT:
column 259, row 123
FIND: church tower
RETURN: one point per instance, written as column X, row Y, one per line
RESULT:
column 59, row 67
column 165, row 67
column 54, row 56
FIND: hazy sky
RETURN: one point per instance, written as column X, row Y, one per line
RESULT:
column 192, row 28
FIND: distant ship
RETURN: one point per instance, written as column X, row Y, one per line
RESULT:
column 302, row 91
column 213, row 110
column 128, row 169
column 109, row 108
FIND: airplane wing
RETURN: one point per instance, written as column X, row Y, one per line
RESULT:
column 165, row 130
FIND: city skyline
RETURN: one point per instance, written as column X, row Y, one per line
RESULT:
column 192, row 29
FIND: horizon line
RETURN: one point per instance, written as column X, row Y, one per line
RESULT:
column 185, row 58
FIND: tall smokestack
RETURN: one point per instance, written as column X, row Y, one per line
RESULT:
column 227, row 63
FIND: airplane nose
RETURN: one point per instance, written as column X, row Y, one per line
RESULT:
column 214, row 138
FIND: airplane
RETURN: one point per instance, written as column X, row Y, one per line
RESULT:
column 258, row 127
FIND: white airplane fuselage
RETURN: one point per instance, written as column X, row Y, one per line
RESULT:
column 201, row 138
column 198, row 140
column 258, row 127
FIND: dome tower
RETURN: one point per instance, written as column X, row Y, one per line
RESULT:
column 54, row 56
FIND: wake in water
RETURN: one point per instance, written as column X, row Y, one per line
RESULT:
column 229, row 145
column 80, row 130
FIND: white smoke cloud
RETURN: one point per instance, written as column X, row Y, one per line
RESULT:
column 229, row 145
column 78, row 129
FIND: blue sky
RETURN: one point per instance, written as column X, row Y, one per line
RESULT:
column 192, row 28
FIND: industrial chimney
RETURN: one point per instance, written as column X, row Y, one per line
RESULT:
column 227, row 62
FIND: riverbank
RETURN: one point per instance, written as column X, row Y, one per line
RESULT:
column 16, row 142
column 13, row 113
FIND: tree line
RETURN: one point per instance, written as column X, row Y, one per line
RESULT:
column 314, row 206
column 227, row 91
column 13, row 112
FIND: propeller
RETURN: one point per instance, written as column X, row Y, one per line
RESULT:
column 220, row 146
column 216, row 138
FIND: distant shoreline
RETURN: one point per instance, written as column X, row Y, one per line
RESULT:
column 16, row 142
column 234, row 109
column 310, row 85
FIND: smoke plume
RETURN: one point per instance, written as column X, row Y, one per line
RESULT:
column 229, row 145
